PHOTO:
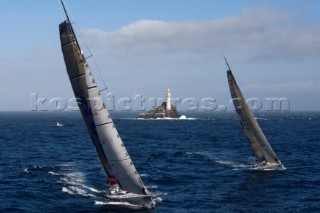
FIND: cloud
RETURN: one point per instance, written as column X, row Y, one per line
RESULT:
column 260, row 33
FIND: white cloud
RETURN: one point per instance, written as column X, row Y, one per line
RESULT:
column 256, row 32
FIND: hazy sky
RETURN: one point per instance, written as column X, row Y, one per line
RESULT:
column 144, row 47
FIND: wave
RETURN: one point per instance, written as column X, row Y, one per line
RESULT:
column 52, row 170
column 234, row 165
column 52, row 173
column 93, row 189
column 75, row 185
column 217, row 159
column 158, row 199
column 257, row 118
column 145, row 175
column 116, row 203
column 77, row 190
column 182, row 117
column 35, row 168
column 64, row 189
column 74, row 182
column 157, row 196
column 73, row 178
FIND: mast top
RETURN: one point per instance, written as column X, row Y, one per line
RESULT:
column 72, row 31
column 224, row 59
column 65, row 11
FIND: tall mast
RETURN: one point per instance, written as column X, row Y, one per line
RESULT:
column 65, row 11
column 74, row 35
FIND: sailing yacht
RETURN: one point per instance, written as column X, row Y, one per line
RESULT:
column 266, row 157
column 59, row 124
column 123, row 178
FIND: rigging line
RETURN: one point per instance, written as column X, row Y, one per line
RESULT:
column 243, row 89
column 88, row 56
column 226, row 61
column 82, row 38
column 229, row 69
column 61, row 10
column 103, row 90
column 64, row 9
column 69, row 23
column 239, row 82
column 67, row 13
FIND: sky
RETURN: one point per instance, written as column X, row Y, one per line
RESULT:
column 142, row 48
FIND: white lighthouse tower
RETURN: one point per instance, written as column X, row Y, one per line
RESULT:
column 168, row 96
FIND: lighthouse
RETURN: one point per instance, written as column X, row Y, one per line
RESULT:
column 168, row 96
column 166, row 110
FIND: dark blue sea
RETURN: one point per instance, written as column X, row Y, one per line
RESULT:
column 201, row 164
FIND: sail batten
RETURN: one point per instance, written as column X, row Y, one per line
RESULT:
column 104, row 124
column 82, row 75
column 258, row 142
column 109, row 146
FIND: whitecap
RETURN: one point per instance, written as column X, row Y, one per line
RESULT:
column 219, row 160
column 64, row 189
column 73, row 178
column 93, row 189
column 183, row 117
column 152, row 187
column 114, row 203
column 158, row 199
column 52, row 173
column 96, row 202
column 74, row 190
column 230, row 163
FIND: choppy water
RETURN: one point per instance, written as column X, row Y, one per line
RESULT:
column 193, row 165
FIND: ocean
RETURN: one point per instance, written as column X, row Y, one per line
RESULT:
column 200, row 164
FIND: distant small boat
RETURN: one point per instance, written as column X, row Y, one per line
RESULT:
column 59, row 124
column 267, row 159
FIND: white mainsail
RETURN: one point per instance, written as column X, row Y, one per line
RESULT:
column 109, row 146
column 251, row 128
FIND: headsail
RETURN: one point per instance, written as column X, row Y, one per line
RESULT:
column 109, row 146
column 251, row 128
